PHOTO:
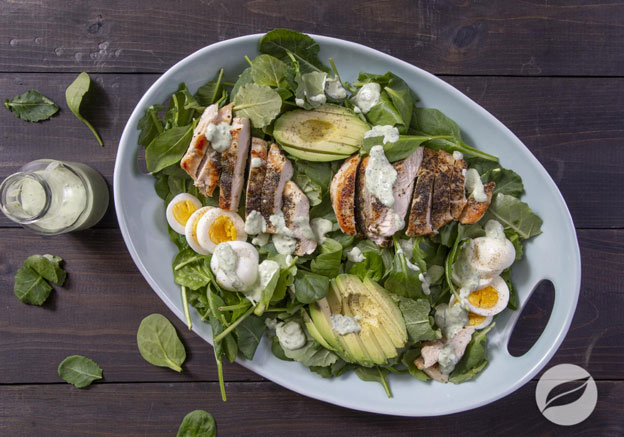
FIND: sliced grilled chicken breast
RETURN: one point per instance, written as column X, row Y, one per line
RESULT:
column 233, row 162
column 255, row 180
column 279, row 171
column 296, row 209
column 196, row 151
column 342, row 192
column 441, row 201
column 368, row 209
column 210, row 169
column 474, row 210
column 458, row 188
column 420, row 213
column 430, row 353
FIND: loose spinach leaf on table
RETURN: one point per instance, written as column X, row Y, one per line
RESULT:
column 159, row 343
column 310, row 287
column 30, row 287
column 168, row 148
column 198, row 423
column 31, row 106
column 79, row 371
column 48, row 266
column 74, row 95
column 514, row 214
column 282, row 42
column 260, row 103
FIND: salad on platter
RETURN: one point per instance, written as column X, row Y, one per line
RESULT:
column 351, row 225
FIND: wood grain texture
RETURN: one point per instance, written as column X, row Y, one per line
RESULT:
column 572, row 125
column 264, row 409
column 445, row 37
column 98, row 312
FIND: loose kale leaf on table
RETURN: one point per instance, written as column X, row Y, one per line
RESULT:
column 79, row 370
column 31, row 106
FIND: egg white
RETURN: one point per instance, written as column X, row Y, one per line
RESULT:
column 208, row 219
column 246, row 268
column 182, row 197
column 501, row 287
column 188, row 231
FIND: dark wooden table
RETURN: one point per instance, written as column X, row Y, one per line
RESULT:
column 552, row 71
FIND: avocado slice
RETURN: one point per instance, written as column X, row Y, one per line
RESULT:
column 328, row 133
column 382, row 326
column 314, row 332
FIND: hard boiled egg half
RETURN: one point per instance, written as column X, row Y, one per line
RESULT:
column 210, row 226
column 180, row 209
column 490, row 300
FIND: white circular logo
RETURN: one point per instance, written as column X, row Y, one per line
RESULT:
column 566, row 394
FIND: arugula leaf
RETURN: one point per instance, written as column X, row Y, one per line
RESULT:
column 261, row 104
column 328, row 261
column 74, row 95
column 79, row 371
column 474, row 360
column 159, row 343
column 48, row 266
column 31, row 106
column 312, row 354
column 374, row 374
column 282, row 42
column 433, row 122
column 198, row 423
column 270, row 71
column 310, row 287
column 249, row 333
column 168, row 148
column 278, row 350
column 209, row 93
column 417, row 322
column 514, row 214
column 150, row 125
column 30, row 287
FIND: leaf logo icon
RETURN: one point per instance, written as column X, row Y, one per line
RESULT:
column 566, row 394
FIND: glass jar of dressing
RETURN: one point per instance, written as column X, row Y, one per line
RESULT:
column 53, row 197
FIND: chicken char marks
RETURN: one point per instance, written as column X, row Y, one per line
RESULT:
column 257, row 171
column 279, row 171
column 233, row 161
column 420, row 212
column 441, row 201
column 368, row 209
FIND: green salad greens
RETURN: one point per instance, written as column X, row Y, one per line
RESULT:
column 351, row 304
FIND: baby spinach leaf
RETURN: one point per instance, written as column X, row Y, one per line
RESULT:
column 372, row 266
column 507, row 181
column 474, row 360
column 408, row 359
column 270, row 71
column 374, row 374
column 30, row 287
column 401, row 97
column 150, row 125
column 261, row 104
column 267, row 294
column 209, row 93
column 311, row 89
column 74, row 95
column 198, row 423
column 459, row 146
column 159, row 343
column 417, row 322
column 312, row 190
column 191, row 269
column 243, row 79
column 249, row 333
column 79, row 371
column 513, row 303
column 168, row 148
column 328, row 261
column 517, row 243
column 514, row 214
column 384, row 113
column 282, row 42
column 285, row 280
column 48, row 266
column 433, row 122
column 404, row 147
column 312, row 354
column 31, row 106
column 310, row 287
column 403, row 280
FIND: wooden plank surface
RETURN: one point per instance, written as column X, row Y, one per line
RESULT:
column 106, row 298
column 445, row 37
column 264, row 409
column 548, row 120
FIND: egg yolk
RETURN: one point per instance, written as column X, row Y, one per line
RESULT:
column 222, row 229
column 485, row 298
column 195, row 225
column 475, row 319
column 183, row 210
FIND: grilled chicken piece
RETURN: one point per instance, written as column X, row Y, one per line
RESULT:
column 233, row 162
column 441, row 201
column 342, row 191
column 458, row 189
column 255, row 180
column 296, row 209
column 430, row 353
column 279, row 170
column 420, row 212
column 474, row 210
column 368, row 209
column 196, row 151
column 207, row 177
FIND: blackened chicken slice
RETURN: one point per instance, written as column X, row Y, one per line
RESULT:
column 441, row 201
column 458, row 188
column 279, row 171
column 474, row 210
column 296, row 209
column 233, row 162
column 342, row 192
column 255, row 180
column 368, row 209
column 419, row 222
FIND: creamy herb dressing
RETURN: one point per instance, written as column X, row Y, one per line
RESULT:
column 318, row 99
column 334, row 89
column 224, row 263
column 458, row 155
column 447, row 359
column 219, row 136
column 380, row 176
column 284, row 244
column 389, row 133
column 266, row 270
column 344, row 325
column 302, row 224
column 367, row 97
column 256, row 162
column 255, row 223
column 290, row 335
column 300, row 102
column 279, row 223
column 474, row 186
column 450, row 319
column 355, row 255
column 320, row 228
column 260, row 239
